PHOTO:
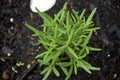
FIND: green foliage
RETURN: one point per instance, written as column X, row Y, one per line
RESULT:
column 65, row 38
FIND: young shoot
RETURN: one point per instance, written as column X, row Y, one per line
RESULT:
column 65, row 38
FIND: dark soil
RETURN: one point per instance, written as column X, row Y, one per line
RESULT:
column 16, row 43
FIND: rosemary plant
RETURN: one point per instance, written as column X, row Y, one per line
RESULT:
column 65, row 38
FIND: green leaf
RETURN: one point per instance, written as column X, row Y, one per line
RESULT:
column 57, row 54
column 49, row 58
column 91, row 16
column 56, row 72
column 46, row 69
column 72, row 52
column 65, row 64
column 61, row 30
column 94, row 49
column 69, row 73
column 82, row 53
column 92, row 29
column 41, row 54
column 64, row 70
column 55, row 32
column 80, row 64
column 68, row 19
column 37, row 43
column 36, row 34
column 44, row 16
column 69, row 38
column 32, row 28
column 47, row 54
column 47, row 74
column 60, row 42
column 46, row 43
column 75, row 15
column 82, row 56
column 89, row 65
column 56, row 16
column 63, row 13
column 87, row 50
column 87, row 39
column 80, row 40
column 82, row 14
column 62, row 17
column 75, row 68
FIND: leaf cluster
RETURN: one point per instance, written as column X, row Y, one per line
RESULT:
column 65, row 38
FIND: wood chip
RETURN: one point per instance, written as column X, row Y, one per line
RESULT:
column 5, row 75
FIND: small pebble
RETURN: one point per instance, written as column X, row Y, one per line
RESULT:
column 115, row 76
column 108, row 55
column 28, row 66
column 11, row 19
column 6, row 50
column 33, row 62
column 8, row 54
column 11, row 27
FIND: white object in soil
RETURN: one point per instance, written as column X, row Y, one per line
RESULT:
column 42, row 5
column 11, row 19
